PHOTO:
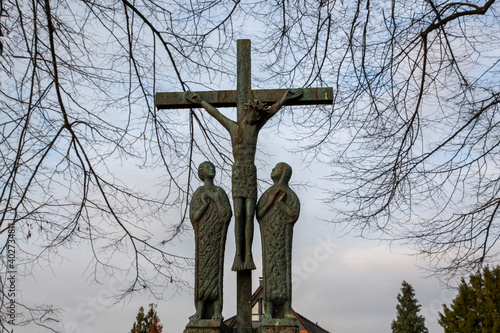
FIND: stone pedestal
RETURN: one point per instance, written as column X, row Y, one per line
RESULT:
column 273, row 325
column 207, row 326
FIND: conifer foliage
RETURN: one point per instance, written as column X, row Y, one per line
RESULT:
column 408, row 320
column 476, row 309
column 149, row 323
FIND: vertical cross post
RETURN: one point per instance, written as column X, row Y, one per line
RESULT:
column 243, row 278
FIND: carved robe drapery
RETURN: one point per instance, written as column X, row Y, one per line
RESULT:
column 210, row 234
column 277, row 211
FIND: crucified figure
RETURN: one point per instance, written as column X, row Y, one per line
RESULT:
column 244, row 134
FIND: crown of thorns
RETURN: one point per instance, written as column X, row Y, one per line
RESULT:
column 257, row 105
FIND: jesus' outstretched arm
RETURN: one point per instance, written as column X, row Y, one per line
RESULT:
column 223, row 120
column 289, row 95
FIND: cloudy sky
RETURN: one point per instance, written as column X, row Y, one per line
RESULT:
column 343, row 282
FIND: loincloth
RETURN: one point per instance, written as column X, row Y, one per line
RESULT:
column 244, row 181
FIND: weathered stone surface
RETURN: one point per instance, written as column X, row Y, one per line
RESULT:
column 273, row 325
column 277, row 211
column 279, row 329
column 207, row 326
column 228, row 98
column 210, row 213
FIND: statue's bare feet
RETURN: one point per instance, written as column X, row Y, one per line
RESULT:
column 195, row 316
column 290, row 316
column 217, row 316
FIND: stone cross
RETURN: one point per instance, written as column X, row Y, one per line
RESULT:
column 252, row 114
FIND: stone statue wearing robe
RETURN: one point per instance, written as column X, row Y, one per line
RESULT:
column 210, row 214
column 277, row 211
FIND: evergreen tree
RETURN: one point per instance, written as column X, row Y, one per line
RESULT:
column 149, row 323
column 476, row 309
column 408, row 320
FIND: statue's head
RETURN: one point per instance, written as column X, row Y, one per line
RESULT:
column 281, row 173
column 206, row 169
column 254, row 111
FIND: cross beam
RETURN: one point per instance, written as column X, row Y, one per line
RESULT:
column 229, row 98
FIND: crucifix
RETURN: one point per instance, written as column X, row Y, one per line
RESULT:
column 252, row 114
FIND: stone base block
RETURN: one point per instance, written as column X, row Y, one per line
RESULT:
column 207, row 326
column 274, row 325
